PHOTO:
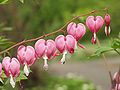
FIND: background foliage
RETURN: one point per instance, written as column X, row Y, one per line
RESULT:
column 35, row 17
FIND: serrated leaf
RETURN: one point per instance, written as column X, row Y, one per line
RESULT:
column 22, row 1
column 101, row 50
column 3, row 1
column 116, row 44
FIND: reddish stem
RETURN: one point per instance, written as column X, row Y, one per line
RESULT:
column 49, row 34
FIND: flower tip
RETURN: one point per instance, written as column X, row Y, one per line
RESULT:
column 93, row 41
column 26, row 70
column 45, row 67
column 12, row 81
column 107, row 30
column 62, row 62
column 94, row 37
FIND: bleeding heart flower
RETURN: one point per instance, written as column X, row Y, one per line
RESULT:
column 116, row 78
column 26, row 56
column 107, row 22
column 11, row 68
column 1, row 72
column 94, row 24
column 65, row 45
column 117, row 87
column 76, row 30
column 45, row 49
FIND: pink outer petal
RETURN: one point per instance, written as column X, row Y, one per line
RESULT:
column 117, row 87
column 90, row 23
column 116, row 77
column 14, row 67
column 30, row 55
column 0, row 69
column 98, row 23
column 71, row 29
column 80, row 31
column 77, row 31
column 70, row 43
column 60, row 43
column 21, row 54
column 40, row 47
column 51, row 47
column 107, row 19
column 6, row 64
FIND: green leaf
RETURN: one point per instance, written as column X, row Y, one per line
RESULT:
column 102, row 50
column 22, row 1
column 6, row 29
column 119, row 35
column 1, row 81
column 3, row 40
column 3, row 74
column 3, row 1
column 116, row 44
column 21, row 77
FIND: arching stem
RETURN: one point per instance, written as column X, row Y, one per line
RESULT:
column 117, row 51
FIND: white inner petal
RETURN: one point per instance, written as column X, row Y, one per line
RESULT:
column 12, row 81
column 106, row 30
column 26, row 70
column 45, row 62
column 94, row 35
column 63, row 57
column 76, row 45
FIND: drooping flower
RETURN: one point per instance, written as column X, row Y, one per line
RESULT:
column 116, row 78
column 11, row 69
column 65, row 45
column 116, row 81
column 76, row 30
column 45, row 49
column 1, row 72
column 26, row 56
column 94, row 24
column 117, row 87
column 107, row 22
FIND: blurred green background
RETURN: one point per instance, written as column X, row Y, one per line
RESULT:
column 35, row 17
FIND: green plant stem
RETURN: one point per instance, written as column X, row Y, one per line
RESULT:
column 117, row 51
column 106, row 63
